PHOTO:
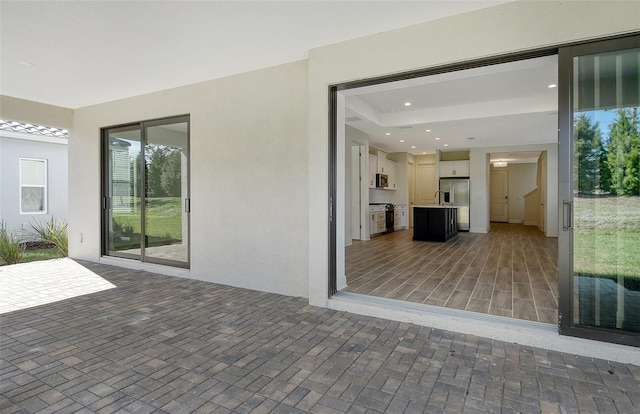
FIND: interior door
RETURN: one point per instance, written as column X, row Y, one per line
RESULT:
column 425, row 184
column 600, row 188
column 499, row 196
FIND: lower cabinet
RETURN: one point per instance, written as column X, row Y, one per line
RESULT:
column 435, row 223
column 400, row 219
column 377, row 222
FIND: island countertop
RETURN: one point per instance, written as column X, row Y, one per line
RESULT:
column 434, row 206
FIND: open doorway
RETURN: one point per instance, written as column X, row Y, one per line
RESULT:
column 449, row 125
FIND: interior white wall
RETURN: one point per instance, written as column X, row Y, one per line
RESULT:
column 507, row 28
column 479, row 171
column 522, row 180
column 359, row 138
column 249, row 166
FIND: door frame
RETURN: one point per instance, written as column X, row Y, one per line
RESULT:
column 564, row 153
column 566, row 304
column 105, row 202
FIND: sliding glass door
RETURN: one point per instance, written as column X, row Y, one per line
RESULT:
column 146, row 191
column 600, row 189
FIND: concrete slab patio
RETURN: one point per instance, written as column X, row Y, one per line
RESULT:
column 160, row 344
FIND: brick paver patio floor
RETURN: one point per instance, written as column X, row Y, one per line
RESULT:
column 156, row 344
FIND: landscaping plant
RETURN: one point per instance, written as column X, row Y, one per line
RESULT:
column 55, row 232
column 11, row 249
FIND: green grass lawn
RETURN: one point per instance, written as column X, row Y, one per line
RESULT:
column 40, row 254
column 607, row 236
column 163, row 217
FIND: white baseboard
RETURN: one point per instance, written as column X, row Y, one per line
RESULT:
column 478, row 230
column 516, row 221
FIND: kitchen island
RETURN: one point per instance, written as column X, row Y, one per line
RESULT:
column 434, row 223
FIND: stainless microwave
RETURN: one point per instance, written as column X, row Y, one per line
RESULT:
column 382, row 180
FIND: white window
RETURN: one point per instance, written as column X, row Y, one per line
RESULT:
column 33, row 186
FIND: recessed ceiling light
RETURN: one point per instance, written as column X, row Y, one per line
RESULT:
column 446, row 145
column 437, row 138
column 413, row 146
column 407, row 104
column 402, row 140
column 25, row 63
column 552, row 85
column 388, row 133
column 424, row 152
column 427, row 130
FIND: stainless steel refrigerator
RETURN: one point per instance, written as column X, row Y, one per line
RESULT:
column 455, row 192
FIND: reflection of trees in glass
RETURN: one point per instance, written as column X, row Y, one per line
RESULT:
column 587, row 146
column 163, row 169
column 608, row 165
column 623, row 158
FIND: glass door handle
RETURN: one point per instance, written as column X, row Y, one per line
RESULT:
column 567, row 215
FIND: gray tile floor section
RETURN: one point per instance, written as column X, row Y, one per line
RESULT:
column 159, row 344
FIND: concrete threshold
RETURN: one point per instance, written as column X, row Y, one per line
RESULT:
column 535, row 334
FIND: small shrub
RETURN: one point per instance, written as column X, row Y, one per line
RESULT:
column 55, row 232
column 124, row 230
column 11, row 249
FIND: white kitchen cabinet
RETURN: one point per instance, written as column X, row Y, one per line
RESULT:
column 392, row 172
column 373, row 168
column 377, row 223
column 382, row 162
column 400, row 219
column 454, row 168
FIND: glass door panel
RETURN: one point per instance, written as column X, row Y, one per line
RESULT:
column 123, row 198
column 605, row 192
column 146, row 191
column 166, row 190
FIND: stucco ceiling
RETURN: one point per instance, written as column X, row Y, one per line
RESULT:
column 78, row 53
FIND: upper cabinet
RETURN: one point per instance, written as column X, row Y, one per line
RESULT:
column 382, row 162
column 454, row 168
column 392, row 172
column 381, row 165
column 373, row 169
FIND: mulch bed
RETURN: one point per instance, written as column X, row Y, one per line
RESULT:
column 38, row 245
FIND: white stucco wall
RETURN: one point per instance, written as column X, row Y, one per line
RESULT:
column 22, row 110
column 249, row 171
column 504, row 29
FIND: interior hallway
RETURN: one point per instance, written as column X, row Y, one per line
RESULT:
column 510, row 271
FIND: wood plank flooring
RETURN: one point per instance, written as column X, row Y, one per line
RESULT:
column 510, row 271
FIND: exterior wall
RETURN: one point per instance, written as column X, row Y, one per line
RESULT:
column 504, row 29
column 12, row 149
column 249, row 185
column 21, row 110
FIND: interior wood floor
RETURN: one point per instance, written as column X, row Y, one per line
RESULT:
column 510, row 271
